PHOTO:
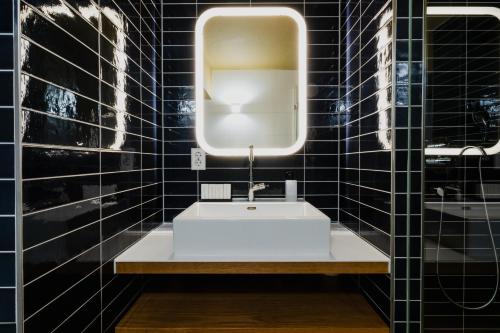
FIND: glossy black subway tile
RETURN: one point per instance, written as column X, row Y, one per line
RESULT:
column 59, row 251
column 122, row 181
column 120, row 78
column 43, row 32
column 114, row 203
column 49, row 317
column 7, row 266
column 52, row 162
column 42, row 194
column 79, row 321
column 7, row 192
column 51, row 223
column 7, row 54
column 71, row 21
column 8, row 305
column 121, row 221
column 7, row 167
column 7, row 234
column 7, row 84
column 47, row 130
column 41, row 291
column 111, row 161
column 120, row 141
column 44, row 97
column 44, row 64
column 113, row 246
column 7, row 10
column 6, row 124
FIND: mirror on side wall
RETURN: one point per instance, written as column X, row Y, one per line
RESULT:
column 463, row 83
column 251, row 81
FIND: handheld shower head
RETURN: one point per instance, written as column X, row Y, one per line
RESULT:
column 441, row 192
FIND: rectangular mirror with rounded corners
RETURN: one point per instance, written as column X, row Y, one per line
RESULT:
column 251, row 81
column 478, row 108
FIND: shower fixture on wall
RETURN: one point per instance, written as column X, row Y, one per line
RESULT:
column 442, row 192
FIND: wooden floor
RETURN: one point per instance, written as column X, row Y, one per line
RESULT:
column 244, row 312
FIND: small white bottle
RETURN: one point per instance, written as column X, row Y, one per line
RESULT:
column 290, row 187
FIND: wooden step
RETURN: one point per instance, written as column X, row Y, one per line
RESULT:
column 245, row 312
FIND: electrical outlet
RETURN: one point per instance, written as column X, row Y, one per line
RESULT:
column 198, row 159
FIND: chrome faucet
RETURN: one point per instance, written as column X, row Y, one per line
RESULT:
column 251, row 187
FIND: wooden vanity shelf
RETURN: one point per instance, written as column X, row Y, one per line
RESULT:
column 154, row 255
column 295, row 309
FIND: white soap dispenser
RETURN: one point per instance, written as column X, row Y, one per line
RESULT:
column 290, row 187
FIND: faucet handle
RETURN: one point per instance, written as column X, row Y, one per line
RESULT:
column 260, row 186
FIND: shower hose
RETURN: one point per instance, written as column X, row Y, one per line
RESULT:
column 441, row 193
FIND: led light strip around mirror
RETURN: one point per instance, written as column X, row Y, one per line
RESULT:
column 302, row 78
column 463, row 11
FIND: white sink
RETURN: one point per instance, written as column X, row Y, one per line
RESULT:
column 252, row 230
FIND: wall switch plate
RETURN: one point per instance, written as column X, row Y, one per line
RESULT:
column 215, row 192
column 198, row 160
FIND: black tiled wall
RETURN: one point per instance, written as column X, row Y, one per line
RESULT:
column 315, row 166
column 91, row 155
column 462, row 108
column 7, row 172
column 407, row 166
column 366, row 142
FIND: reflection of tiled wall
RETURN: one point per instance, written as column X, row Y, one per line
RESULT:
column 315, row 166
column 7, row 182
column 463, row 81
column 366, row 137
column 91, row 153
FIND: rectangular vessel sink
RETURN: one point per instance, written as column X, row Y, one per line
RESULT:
column 252, row 230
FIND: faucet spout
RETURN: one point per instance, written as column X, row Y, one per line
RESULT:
column 251, row 187
column 250, row 166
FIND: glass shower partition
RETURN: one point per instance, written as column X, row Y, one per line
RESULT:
column 462, row 168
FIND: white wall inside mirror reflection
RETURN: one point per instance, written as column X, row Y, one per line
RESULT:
column 242, row 108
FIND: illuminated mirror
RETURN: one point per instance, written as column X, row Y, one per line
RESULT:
column 251, row 81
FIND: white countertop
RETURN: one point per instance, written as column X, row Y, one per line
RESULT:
column 157, row 248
